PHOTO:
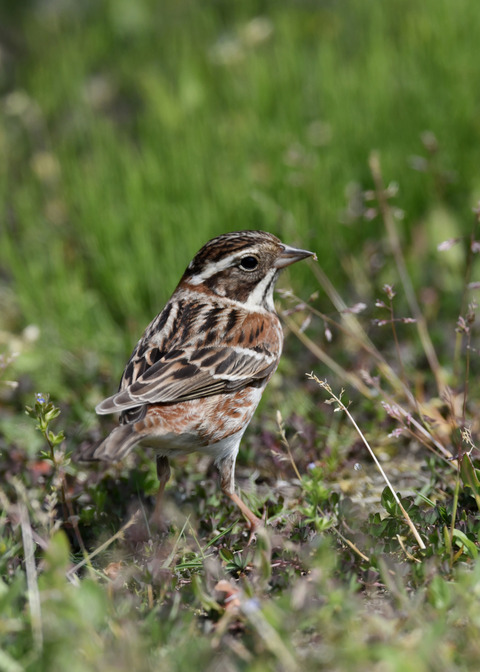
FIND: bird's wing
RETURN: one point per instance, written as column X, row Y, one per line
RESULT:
column 196, row 349
column 191, row 373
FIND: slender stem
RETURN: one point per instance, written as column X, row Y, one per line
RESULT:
column 463, row 302
column 283, row 439
column 397, row 345
column 352, row 379
column 351, row 545
column 467, row 376
column 454, row 514
column 341, row 405
column 354, row 330
column 118, row 535
column 396, row 247
column 426, row 434
column 32, row 582
column 348, row 376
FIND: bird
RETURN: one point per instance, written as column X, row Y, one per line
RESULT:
column 197, row 374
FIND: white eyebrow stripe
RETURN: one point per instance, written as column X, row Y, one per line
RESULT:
column 215, row 267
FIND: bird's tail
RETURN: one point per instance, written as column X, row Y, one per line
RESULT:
column 117, row 445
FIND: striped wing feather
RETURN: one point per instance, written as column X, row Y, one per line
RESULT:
column 184, row 379
column 192, row 370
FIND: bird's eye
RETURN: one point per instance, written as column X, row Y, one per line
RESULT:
column 249, row 263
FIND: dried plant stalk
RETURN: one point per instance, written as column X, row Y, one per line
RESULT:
column 341, row 405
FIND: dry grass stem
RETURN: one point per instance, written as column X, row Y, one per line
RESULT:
column 351, row 326
column 427, row 437
column 283, row 439
column 118, row 535
column 350, row 378
column 32, row 579
column 389, row 221
column 351, row 545
column 342, row 406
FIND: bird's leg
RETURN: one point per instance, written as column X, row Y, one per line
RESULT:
column 163, row 474
column 253, row 521
column 227, row 476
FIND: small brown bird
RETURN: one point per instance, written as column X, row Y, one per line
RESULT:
column 197, row 374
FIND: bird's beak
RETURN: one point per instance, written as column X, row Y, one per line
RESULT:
column 290, row 255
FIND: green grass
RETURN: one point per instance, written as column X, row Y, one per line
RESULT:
column 131, row 133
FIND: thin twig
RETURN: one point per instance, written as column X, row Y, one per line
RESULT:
column 351, row 327
column 341, row 405
column 463, row 302
column 351, row 545
column 118, row 535
column 445, row 453
column 397, row 344
column 353, row 380
column 454, row 514
column 467, row 379
column 407, row 553
column 338, row 370
column 283, row 439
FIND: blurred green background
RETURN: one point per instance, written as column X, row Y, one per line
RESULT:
column 132, row 132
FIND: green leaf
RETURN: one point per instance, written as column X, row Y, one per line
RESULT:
column 219, row 535
column 426, row 500
column 52, row 413
column 461, row 539
column 207, row 601
column 439, row 593
column 469, row 474
column 226, row 555
column 389, row 503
